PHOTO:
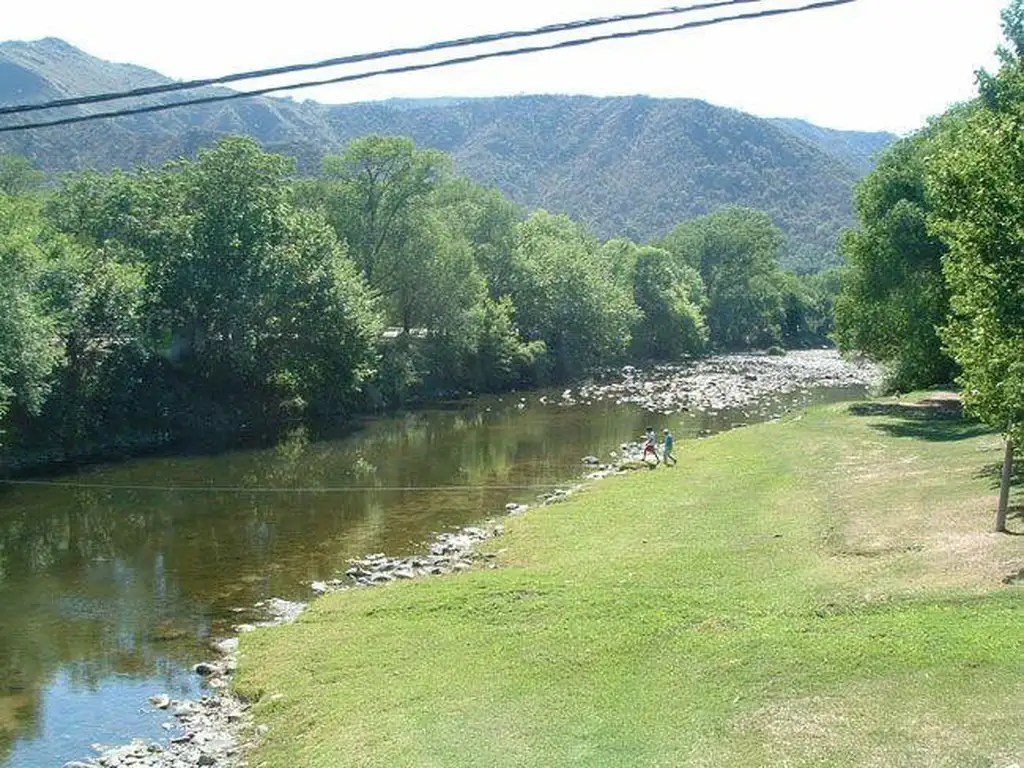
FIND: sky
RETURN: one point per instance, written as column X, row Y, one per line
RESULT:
column 869, row 65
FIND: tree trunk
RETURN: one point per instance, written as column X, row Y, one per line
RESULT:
column 1004, row 488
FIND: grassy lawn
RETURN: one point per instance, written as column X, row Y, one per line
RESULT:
column 824, row 591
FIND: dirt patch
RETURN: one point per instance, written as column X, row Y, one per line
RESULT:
column 822, row 730
column 898, row 512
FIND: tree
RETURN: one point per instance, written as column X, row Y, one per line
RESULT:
column 979, row 211
column 18, row 175
column 28, row 352
column 808, row 303
column 669, row 297
column 381, row 181
column 565, row 296
column 95, row 297
column 488, row 220
column 250, row 298
column 503, row 359
column 894, row 296
column 736, row 251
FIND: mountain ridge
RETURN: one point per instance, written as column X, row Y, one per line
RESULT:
column 624, row 165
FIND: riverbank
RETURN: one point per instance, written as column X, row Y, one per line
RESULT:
column 709, row 384
column 819, row 590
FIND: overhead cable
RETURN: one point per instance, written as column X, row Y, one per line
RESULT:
column 276, row 490
column 359, row 58
column 564, row 44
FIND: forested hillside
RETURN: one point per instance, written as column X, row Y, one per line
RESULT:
column 632, row 166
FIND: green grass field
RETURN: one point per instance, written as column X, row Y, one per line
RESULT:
column 822, row 591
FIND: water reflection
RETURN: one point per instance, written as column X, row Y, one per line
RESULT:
column 108, row 594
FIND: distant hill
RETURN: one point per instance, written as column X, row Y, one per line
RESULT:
column 632, row 166
column 858, row 148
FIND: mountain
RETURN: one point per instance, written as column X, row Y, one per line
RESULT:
column 857, row 147
column 632, row 166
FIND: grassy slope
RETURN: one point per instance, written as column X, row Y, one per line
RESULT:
column 810, row 593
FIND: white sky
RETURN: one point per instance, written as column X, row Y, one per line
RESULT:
column 871, row 65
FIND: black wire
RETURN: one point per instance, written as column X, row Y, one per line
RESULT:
column 431, row 65
column 280, row 490
column 361, row 57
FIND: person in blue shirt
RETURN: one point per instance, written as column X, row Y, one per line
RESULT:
column 666, row 455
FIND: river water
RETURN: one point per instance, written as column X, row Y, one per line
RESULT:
column 115, row 579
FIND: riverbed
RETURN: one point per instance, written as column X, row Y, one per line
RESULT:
column 114, row 580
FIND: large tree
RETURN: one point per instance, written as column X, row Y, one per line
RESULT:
column 28, row 349
column 669, row 296
column 242, row 291
column 566, row 296
column 894, row 296
column 979, row 210
column 736, row 251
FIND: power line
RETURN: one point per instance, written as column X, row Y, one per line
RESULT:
column 431, row 65
column 276, row 490
column 363, row 57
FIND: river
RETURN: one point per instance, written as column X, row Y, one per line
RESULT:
column 115, row 579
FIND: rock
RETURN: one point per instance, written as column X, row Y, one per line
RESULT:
column 185, row 709
column 206, row 669
column 319, row 587
column 162, row 701
column 227, row 646
column 79, row 764
column 284, row 611
column 205, row 759
column 591, row 461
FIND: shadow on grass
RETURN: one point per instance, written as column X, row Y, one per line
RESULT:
column 937, row 419
column 1015, row 524
column 994, row 473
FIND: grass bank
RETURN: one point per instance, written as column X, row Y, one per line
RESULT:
column 823, row 591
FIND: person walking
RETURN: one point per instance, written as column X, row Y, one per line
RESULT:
column 650, row 448
column 667, row 453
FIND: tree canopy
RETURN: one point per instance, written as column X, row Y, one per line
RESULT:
column 979, row 211
column 223, row 293
column 894, row 297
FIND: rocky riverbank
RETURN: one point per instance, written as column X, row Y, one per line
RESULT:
column 727, row 381
column 217, row 730
column 214, row 730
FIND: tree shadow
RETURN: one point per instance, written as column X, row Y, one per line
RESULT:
column 1015, row 521
column 935, row 419
column 994, row 473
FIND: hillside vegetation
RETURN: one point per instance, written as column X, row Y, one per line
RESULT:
column 631, row 166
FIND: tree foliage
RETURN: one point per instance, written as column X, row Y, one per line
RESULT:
column 28, row 352
column 567, row 298
column 979, row 211
column 736, row 252
column 894, row 297
column 220, row 292
column 670, row 297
